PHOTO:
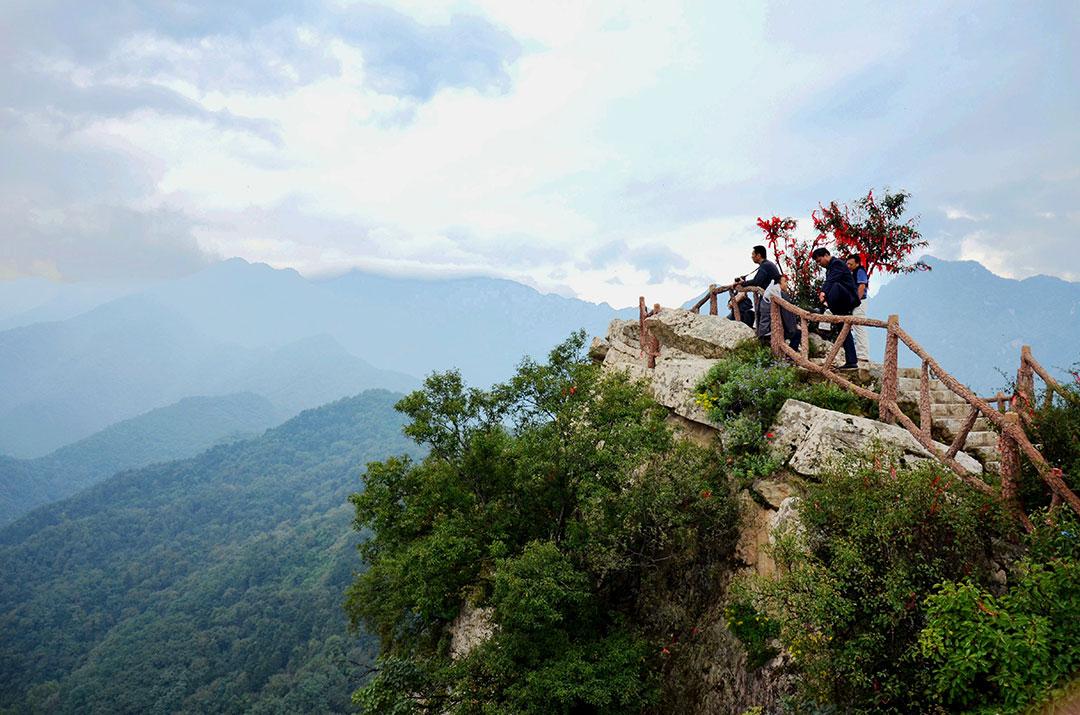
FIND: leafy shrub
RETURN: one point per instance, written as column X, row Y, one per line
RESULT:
column 754, row 629
column 876, row 538
column 751, row 384
column 748, row 384
column 561, row 500
column 999, row 653
column 1056, row 428
column 833, row 397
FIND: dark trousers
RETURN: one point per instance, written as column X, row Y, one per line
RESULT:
column 794, row 339
column 746, row 316
column 850, row 358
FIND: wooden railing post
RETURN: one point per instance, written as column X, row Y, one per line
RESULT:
column 641, row 326
column 735, row 305
column 713, row 308
column 804, row 344
column 1025, row 381
column 777, row 326
column 926, row 418
column 888, row 372
column 1010, row 470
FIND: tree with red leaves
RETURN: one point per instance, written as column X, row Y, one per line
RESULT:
column 875, row 231
column 793, row 258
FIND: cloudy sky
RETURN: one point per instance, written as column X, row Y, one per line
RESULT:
column 602, row 150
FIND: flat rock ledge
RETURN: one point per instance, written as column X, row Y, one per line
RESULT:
column 811, row 437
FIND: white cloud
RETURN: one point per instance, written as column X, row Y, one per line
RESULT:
column 958, row 214
column 660, row 128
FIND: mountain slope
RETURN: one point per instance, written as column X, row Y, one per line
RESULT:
column 237, row 326
column 481, row 326
column 974, row 322
column 62, row 381
column 179, row 430
column 208, row 583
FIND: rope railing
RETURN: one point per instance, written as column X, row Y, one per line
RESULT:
column 1012, row 441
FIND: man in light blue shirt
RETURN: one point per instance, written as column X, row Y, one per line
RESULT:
column 862, row 285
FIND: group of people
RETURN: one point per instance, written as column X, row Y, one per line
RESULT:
column 843, row 293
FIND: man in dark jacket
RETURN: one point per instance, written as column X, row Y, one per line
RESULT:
column 839, row 293
column 766, row 274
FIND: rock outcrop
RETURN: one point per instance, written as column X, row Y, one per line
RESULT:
column 471, row 628
column 702, row 336
column 689, row 344
column 810, row 437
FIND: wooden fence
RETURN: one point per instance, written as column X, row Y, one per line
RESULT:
column 1010, row 416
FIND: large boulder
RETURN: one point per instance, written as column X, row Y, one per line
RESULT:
column 673, row 385
column 704, row 336
column 689, row 344
column 810, row 437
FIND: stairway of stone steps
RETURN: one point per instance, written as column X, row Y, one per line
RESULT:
column 949, row 411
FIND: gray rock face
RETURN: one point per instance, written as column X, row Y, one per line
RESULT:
column 598, row 350
column 472, row 627
column 704, row 336
column 810, row 437
column 673, row 383
column 689, row 343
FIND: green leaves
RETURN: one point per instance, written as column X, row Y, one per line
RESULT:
column 561, row 501
column 877, row 538
column 1004, row 652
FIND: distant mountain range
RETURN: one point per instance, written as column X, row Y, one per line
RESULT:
column 974, row 322
column 237, row 326
column 180, row 430
column 211, row 584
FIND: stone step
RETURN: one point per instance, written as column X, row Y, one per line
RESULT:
column 937, row 397
column 958, row 410
column 981, row 439
column 952, row 425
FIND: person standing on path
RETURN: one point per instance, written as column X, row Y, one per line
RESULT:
column 766, row 275
column 862, row 285
column 841, row 295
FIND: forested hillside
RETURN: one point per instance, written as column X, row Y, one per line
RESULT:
column 213, row 583
column 180, row 430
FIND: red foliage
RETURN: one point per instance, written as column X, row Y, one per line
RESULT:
column 876, row 232
column 793, row 257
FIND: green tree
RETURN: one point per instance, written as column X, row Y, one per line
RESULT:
column 561, row 502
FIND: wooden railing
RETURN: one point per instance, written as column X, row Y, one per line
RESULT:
column 1013, row 442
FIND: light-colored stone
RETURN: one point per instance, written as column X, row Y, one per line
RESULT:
column 699, row 434
column 756, row 522
column 773, row 491
column 785, row 519
column 810, row 437
column 598, row 350
column 673, row 384
column 708, row 336
column 471, row 628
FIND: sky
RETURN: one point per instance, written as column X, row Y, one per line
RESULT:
column 599, row 150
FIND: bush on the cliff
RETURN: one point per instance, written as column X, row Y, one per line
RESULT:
column 561, row 501
column 875, row 540
column 1000, row 652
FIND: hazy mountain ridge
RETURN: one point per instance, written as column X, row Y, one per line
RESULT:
column 180, row 430
column 62, row 381
column 237, row 326
column 212, row 582
column 974, row 322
